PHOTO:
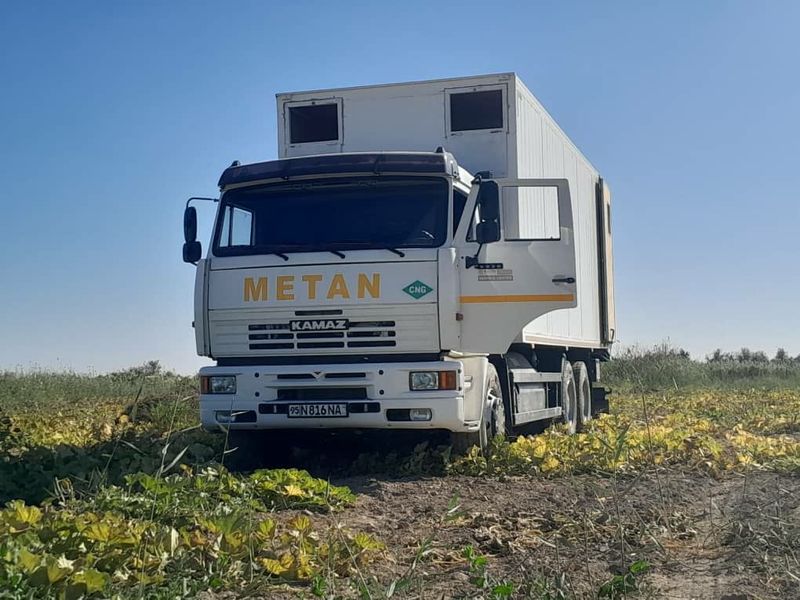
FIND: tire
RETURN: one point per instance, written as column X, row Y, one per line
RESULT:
column 584, row 389
column 493, row 419
column 569, row 398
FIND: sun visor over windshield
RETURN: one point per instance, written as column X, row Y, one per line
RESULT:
column 428, row 163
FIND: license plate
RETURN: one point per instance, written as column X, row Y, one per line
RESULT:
column 300, row 411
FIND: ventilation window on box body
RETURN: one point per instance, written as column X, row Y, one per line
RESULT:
column 314, row 123
column 476, row 110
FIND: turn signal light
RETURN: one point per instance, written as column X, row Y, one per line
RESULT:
column 447, row 380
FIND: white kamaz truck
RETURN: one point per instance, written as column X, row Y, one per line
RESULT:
column 432, row 255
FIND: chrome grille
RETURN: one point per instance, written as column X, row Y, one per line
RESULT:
column 380, row 329
column 361, row 334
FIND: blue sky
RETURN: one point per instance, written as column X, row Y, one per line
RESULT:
column 112, row 113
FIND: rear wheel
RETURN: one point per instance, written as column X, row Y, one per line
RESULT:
column 569, row 398
column 493, row 419
column 584, row 388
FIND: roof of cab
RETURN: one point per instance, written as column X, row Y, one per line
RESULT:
column 434, row 163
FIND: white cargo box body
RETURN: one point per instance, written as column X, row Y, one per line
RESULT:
column 489, row 123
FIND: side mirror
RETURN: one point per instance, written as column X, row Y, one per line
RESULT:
column 487, row 232
column 189, row 225
column 192, row 252
column 489, row 201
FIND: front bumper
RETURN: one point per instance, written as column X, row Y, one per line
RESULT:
column 264, row 394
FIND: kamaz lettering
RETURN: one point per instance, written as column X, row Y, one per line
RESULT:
column 311, row 287
column 319, row 325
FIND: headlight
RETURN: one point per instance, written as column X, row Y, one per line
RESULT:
column 218, row 384
column 424, row 380
column 432, row 380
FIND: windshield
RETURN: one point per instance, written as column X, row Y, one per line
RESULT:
column 334, row 214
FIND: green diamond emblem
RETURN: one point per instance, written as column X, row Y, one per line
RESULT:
column 417, row 289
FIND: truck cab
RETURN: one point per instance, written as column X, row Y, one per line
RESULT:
column 390, row 290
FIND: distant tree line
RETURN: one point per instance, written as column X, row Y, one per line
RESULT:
column 664, row 366
column 745, row 355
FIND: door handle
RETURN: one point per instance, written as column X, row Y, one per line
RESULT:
column 563, row 280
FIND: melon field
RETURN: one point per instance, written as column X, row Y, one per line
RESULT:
column 689, row 488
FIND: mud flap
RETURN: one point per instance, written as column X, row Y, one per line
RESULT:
column 600, row 400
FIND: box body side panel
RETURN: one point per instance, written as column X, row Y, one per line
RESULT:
column 543, row 150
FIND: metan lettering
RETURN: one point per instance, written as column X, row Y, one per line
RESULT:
column 372, row 286
column 311, row 283
column 253, row 291
column 338, row 287
column 287, row 287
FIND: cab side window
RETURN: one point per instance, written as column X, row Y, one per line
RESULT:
column 476, row 218
column 237, row 227
column 459, row 201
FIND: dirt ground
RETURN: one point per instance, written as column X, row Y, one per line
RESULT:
column 734, row 538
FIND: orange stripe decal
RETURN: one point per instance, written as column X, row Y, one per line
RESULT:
column 518, row 298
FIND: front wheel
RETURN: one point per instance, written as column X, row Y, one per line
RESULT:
column 493, row 419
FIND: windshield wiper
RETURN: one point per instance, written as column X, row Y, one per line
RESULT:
column 302, row 248
column 370, row 246
column 354, row 244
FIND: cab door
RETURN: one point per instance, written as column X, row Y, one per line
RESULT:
column 516, row 259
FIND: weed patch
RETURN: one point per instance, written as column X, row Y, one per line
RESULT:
column 210, row 530
column 713, row 432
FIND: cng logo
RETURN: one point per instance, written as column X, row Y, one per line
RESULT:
column 417, row 289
